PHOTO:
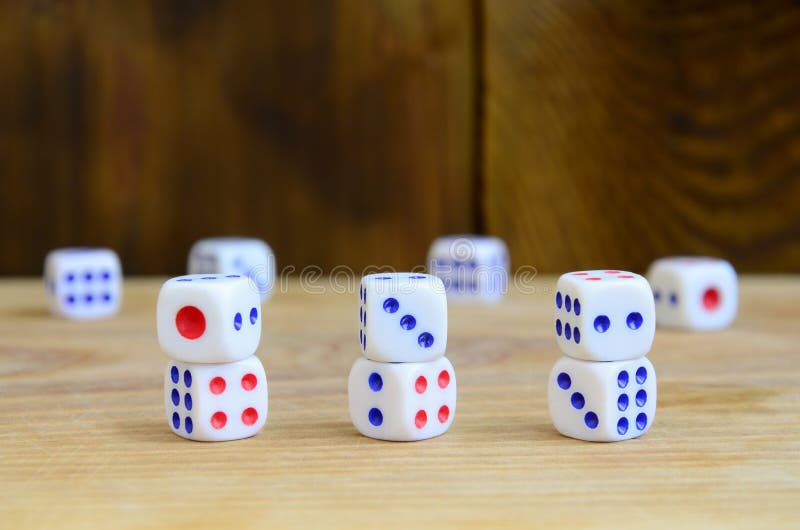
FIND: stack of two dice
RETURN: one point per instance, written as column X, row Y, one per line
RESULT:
column 604, row 388
column 403, row 388
column 210, row 326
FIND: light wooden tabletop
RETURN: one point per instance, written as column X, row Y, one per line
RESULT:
column 85, row 443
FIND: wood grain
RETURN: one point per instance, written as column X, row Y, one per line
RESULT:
column 42, row 133
column 85, row 443
column 623, row 131
column 354, row 132
column 339, row 132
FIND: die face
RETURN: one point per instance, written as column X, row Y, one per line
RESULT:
column 694, row 292
column 604, row 315
column 247, row 257
column 208, row 318
column 216, row 402
column 402, row 401
column 472, row 268
column 403, row 317
column 602, row 401
column 83, row 283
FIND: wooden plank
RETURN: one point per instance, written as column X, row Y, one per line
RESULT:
column 341, row 133
column 42, row 138
column 85, row 443
column 619, row 132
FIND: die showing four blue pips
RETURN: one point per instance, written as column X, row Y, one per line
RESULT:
column 403, row 388
column 604, row 388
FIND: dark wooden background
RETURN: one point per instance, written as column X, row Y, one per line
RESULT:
column 354, row 132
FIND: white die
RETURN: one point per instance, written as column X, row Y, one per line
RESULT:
column 402, row 401
column 208, row 319
column 216, row 402
column 472, row 268
column 403, row 317
column 694, row 292
column 604, row 315
column 83, row 283
column 602, row 401
column 248, row 257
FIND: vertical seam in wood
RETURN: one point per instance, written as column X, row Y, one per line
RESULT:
column 478, row 78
